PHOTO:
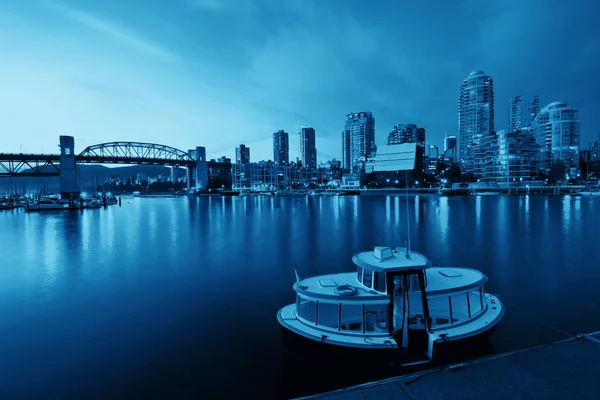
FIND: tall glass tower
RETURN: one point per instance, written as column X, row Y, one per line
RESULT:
column 556, row 130
column 358, row 140
column 308, row 149
column 475, row 121
column 522, row 110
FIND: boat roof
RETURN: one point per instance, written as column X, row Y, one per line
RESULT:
column 386, row 259
column 440, row 281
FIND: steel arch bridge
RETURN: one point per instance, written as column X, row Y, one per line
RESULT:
column 135, row 153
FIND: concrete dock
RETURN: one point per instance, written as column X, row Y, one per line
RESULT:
column 569, row 369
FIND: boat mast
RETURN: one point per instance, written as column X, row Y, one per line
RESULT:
column 407, row 217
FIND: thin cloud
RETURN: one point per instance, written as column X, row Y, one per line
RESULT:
column 115, row 32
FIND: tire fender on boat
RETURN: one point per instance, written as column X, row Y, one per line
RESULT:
column 346, row 290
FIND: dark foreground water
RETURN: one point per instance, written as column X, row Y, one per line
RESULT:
column 177, row 297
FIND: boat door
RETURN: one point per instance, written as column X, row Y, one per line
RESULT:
column 409, row 313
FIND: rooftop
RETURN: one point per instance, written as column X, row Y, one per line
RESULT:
column 388, row 259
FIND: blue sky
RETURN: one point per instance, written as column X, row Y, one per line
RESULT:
column 218, row 73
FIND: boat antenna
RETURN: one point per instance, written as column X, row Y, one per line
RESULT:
column 407, row 217
column 296, row 271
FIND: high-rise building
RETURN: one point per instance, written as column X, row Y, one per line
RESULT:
column 511, row 157
column 475, row 120
column 450, row 147
column 358, row 140
column 308, row 149
column 346, row 150
column 522, row 110
column 556, row 131
column 281, row 147
column 242, row 154
column 407, row 133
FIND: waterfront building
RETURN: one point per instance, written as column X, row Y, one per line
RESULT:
column 522, row 111
column 556, row 130
column 388, row 168
column 358, row 141
column 510, row 157
column 450, row 143
column 308, row 149
column 242, row 154
column 269, row 176
column 475, row 121
column 281, row 147
column 219, row 173
column 406, row 133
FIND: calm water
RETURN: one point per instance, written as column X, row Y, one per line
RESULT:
column 177, row 297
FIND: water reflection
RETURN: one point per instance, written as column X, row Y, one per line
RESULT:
column 388, row 208
column 336, row 208
column 417, row 209
column 577, row 210
column 50, row 250
column 396, row 210
column 444, row 218
column 566, row 207
column 478, row 212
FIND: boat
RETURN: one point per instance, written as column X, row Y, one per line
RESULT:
column 47, row 204
column 92, row 203
column 396, row 304
column 589, row 193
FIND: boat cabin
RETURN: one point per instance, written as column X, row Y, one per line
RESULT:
column 394, row 292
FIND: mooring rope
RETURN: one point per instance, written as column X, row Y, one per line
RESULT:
column 534, row 317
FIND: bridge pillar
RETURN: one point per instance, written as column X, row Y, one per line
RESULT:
column 69, row 180
column 201, row 172
column 190, row 176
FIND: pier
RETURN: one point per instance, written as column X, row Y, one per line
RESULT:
column 569, row 369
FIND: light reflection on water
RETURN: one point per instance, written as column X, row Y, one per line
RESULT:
column 188, row 287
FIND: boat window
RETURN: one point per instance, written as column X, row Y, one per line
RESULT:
column 375, row 318
column 439, row 310
column 308, row 310
column 368, row 278
column 359, row 274
column 379, row 281
column 475, row 302
column 328, row 315
column 460, row 307
column 351, row 317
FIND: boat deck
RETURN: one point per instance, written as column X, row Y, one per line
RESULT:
column 562, row 370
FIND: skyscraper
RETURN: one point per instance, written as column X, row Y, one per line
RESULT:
column 281, row 147
column 522, row 110
column 242, row 154
column 308, row 150
column 556, row 131
column 450, row 147
column 407, row 133
column 475, row 120
column 358, row 140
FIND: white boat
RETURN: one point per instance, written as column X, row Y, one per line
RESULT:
column 93, row 203
column 590, row 193
column 47, row 204
column 395, row 302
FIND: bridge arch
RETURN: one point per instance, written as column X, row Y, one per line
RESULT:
column 135, row 152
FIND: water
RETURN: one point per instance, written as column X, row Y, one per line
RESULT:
column 177, row 297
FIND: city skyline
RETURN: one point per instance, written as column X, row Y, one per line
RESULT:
column 103, row 72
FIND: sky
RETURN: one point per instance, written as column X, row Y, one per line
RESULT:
column 217, row 73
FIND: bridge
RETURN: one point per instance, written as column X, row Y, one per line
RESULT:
column 65, row 163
